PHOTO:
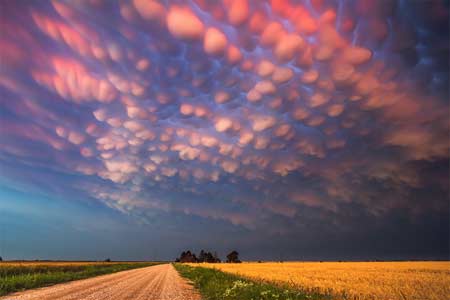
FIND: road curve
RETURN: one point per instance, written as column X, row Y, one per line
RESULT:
column 160, row 282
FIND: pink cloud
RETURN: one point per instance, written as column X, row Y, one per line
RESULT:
column 215, row 41
column 234, row 92
column 150, row 9
column 183, row 23
column 238, row 11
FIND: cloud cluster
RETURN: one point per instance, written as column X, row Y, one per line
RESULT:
column 192, row 108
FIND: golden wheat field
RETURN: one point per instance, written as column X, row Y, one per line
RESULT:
column 356, row 280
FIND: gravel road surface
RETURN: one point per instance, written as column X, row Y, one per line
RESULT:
column 161, row 282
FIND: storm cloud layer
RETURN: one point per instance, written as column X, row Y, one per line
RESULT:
column 281, row 119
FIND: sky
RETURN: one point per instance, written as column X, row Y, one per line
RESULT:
column 286, row 130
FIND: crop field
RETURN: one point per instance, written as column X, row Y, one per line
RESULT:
column 353, row 280
column 50, row 264
column 16, row 276
column 217, row 285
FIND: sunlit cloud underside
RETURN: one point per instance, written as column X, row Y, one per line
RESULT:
column 263, row 115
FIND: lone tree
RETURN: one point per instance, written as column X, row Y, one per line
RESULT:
column 1, row 259
column 233, row 257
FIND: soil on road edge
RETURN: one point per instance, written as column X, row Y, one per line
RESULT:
column 160, row 282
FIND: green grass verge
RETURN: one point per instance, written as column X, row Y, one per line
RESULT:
column 217, row 285
column 15, row 278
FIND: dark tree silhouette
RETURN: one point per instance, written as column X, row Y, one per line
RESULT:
column 108, row 260
column 216, row 258
column 233, row 257
column 204, row 256
column 187, row 256
column 208, row 257
column 1, row 259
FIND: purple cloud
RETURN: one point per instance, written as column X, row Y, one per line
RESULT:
column 161, row 106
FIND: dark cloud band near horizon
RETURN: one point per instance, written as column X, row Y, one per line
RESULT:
column 321, row 127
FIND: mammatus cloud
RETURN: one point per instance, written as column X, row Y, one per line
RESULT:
column 239, row 111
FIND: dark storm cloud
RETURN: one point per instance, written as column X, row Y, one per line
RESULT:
column 282, row 119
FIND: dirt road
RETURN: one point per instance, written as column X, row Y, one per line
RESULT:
column 161, row 282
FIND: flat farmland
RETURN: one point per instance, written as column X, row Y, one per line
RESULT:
column 152, row 282
column 44, row 263
column 22, row 275
column 353, row 280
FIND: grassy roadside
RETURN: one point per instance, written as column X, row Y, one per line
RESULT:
column 18, row 277
column 217, row 285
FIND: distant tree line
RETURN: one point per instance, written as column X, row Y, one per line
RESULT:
column 207, row 257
